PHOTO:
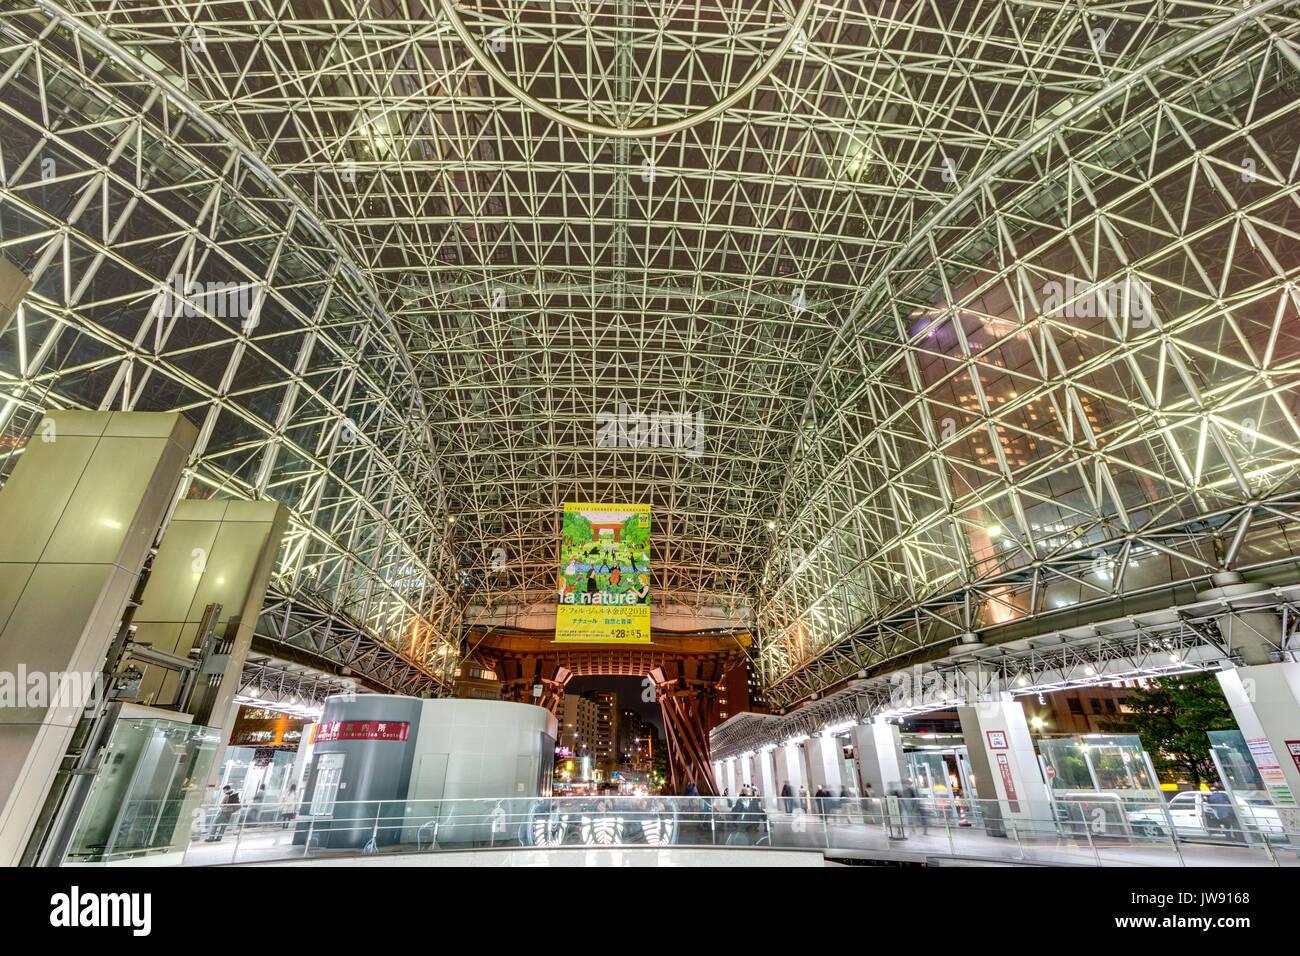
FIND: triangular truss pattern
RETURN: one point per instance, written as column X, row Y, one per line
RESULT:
column 979, row 311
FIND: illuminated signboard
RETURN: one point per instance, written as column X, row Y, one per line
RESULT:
column 604, row 584
column 360, row 730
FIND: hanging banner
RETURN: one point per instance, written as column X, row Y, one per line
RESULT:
column 604, row 593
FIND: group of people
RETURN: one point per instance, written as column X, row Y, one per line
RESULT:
column 828, row 804
column 825, row 801
column 229, row 805
column 747, row 818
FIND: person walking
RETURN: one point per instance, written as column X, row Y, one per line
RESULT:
column 751, row 817
column 914, row 808
column 847, row 800
column 229, row 807
column 288, row 806
column 255, row 812
column 787, row 796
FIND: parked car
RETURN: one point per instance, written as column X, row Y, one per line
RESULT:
column 1208, row 814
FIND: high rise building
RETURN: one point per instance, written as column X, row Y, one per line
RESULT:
column 577, row 720
column 607, row 721
column 738, row 692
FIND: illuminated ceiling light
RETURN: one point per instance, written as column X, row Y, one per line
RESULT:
column 859, row 158
column 994, row 531
column 771, row 524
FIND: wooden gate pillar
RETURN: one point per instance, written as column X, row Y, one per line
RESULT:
column 685, row 690
column 519, row 675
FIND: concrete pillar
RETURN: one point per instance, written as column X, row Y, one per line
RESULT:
column 214, row 552
column 1264, row 695
column 825, row 759
column 727, row 782
column 766, row 778
column 788, row 765
column 1252, row 629
column 1265, row 700
column 1004, row 761
column 225, row 719
column 77, row 518
column 878, row 747
column 746, row 764
column 1257, row 635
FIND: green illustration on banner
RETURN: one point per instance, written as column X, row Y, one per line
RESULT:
column 604, row 588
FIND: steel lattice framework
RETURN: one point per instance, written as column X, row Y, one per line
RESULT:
column 984, row 308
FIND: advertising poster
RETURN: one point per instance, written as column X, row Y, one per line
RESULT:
column 604, row 592
column 1271, row 771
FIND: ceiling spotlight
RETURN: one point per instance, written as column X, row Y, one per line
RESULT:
column 771, row 523
column 255, row 692
column 994, row 531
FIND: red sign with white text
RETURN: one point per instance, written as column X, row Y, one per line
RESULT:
column 360, row 730
column 1293, row 748
column 1008, row 783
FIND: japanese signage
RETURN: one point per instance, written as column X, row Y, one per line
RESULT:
column 360, row 730
column 1293, row 748
column 1271, row 771
column 604, row 589
column 1008, row 783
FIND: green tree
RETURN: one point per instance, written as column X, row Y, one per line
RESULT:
column 659, row 762
column 1071, row 772
column 636, row 531
column 1172, row 717
column 576, row 529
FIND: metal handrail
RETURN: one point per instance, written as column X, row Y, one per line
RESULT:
column 887, row 828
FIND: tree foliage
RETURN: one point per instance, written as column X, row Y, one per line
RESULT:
column 636, row 531
column 576, row 529
column 1172, row 716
